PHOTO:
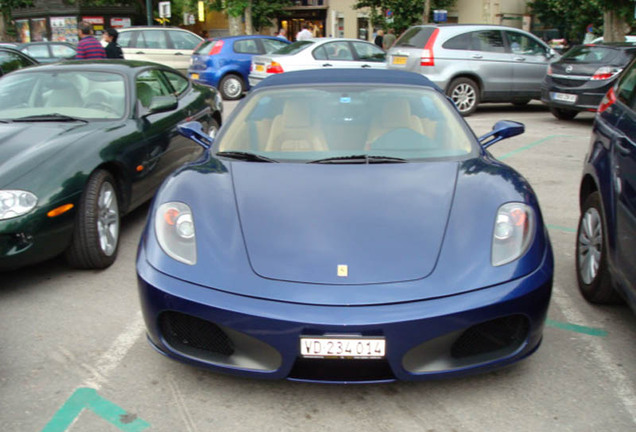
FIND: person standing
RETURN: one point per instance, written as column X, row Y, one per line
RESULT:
column 88, row 47
column 379, row 38
column 388, row 40
column 304, row 33
column 282, row 34
column 113, row 50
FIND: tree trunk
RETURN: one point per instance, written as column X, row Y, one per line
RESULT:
column 249, row 29
column 614, row 27
column 427, row 11
column 3, row 30
column 235, row 25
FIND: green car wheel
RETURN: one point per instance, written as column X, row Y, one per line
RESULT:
column 96, row 236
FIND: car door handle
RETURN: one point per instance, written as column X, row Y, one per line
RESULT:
column 623, row 146
column 366, row 66
column 178, row 53
column 327, row 65
column 520, row 59
column 140, row 52
column 477, row 56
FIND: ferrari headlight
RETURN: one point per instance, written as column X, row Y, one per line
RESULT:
column 14, row 203
column 512, row 235
column 174, row 227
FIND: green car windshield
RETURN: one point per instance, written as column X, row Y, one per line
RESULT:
column 353, row 122
column 86, row 95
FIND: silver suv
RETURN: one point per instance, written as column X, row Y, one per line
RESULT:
column 475, row 63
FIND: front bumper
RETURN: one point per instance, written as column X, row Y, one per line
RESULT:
column 449, row 336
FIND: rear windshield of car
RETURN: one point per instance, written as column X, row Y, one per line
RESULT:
column 590, row 54
column 310, row 123
column 294, row 48
column 415, row 37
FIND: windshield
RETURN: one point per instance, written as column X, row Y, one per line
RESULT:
column 359, row 122
column 589, row 54
column 85, row 95
column 294, row 48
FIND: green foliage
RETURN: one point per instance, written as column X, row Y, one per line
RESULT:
column 572, row 17
column 405, row 13
column 263, row 11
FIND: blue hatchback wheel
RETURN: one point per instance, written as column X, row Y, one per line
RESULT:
column 231, row 87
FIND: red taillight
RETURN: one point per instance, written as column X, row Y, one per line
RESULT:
column 428, row 58
column 607, row 101
column 605, row 73
column 216, row 48
column 274, row 67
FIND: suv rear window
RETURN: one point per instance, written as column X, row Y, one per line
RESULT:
column 415, row 37
column 590, row 54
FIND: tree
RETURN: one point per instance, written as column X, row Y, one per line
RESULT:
column 260, row 13
column 404, row 13
column 5, row 16
column 571, row 17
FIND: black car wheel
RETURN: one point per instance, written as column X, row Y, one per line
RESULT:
column 465, row 93
column 96, row 235
column 563, row 113
column 591, row 254
column 231, row 87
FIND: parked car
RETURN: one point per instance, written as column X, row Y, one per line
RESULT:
column 49, row 52
column 83, row 143
column 582, row 76
column 475, row 63
column 12, row 59
column 319, row 53
column 169, row 46
column 606, row 238
column 628, row 38
column 225, row 62
column 346, row 226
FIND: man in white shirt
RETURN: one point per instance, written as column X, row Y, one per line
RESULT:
column 304, row 33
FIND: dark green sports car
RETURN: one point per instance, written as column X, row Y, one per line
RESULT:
column 81, row 144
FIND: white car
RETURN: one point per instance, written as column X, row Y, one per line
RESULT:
column 319, row 53
column 169, row 46
column 628, row 38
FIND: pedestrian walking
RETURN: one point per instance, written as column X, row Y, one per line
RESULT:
column 379, row 38
column 304, row 33
column 113, row 50
column 88, row 47
column 389, row 39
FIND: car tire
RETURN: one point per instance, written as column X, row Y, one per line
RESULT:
column 464, row 92
column 97, row 224
column 231, row 87
column 592, row 270
column 563, row 113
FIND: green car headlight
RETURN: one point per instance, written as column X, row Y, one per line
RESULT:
column 174, row 227
column 14, row 203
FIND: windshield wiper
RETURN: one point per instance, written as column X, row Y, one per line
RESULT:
column 362, row 158
column 53, row 117
column 245, row 156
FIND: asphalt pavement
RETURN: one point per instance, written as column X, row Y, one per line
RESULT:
column 73, row 353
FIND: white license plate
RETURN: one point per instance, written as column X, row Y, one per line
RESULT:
column 343, row 347
column 564, row 97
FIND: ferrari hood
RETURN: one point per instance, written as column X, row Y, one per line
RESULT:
column 24, row 146
column 344, row 224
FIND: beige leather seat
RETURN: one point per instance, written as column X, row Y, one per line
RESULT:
column 394, row 114
column 64, row 95
column 296, row 130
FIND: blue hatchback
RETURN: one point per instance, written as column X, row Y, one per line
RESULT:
column 225, row 62
column 606, row 240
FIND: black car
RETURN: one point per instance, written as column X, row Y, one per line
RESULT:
column 12, row 59
column 582, row 76
column 49, row 52
column 606, row 239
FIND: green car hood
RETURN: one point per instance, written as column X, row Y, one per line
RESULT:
column 26, row 146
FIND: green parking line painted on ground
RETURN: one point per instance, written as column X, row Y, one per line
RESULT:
column 560, row 228
column 88, row 398
column 576, row 328
column 533, row 144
